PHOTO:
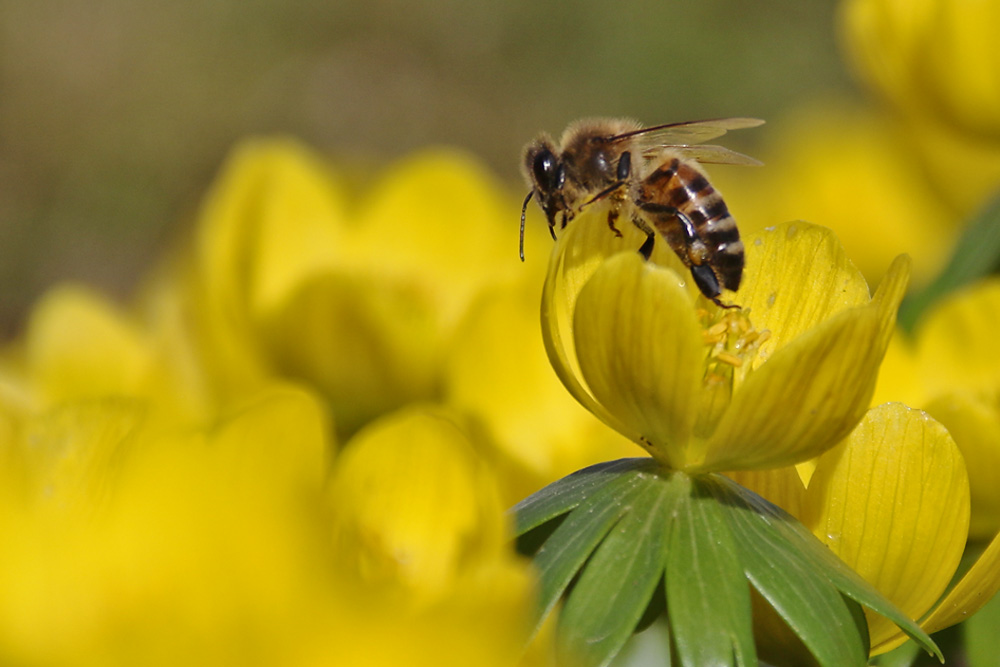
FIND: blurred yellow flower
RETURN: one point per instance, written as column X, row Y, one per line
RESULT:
column 703, row 389
column 497, row 373
column 179, row 507
column 357, row 296
column 130, row 543
column 951, row 370
column 969, row 166
column 79, row 345
column 419, row 527
column 408, row 291
column 932, row 58
column 857, row 172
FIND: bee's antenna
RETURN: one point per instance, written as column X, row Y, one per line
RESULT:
column 524, row 209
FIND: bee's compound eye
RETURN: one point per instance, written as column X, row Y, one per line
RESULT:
column 548, row 173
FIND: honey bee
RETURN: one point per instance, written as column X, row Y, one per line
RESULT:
column 651, row 175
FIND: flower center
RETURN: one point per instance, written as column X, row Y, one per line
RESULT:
column 731, row 343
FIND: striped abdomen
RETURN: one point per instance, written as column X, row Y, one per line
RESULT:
column 684, row 207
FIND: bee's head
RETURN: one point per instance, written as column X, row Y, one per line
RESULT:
column 546, row 172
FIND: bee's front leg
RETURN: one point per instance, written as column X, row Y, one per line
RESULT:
column 612, row 218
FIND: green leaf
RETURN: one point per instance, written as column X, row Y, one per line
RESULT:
column 847, row 581
column 627, row 528
column 708, row 597
column 563, row 495
column 569, row 546
column 811, row 606
column 976, row 254
column 615, row 587
column 771, row 526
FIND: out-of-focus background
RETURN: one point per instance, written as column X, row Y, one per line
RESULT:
column 114, row 115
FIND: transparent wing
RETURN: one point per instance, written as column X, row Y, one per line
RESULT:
column 688, row 132
column 707, row 154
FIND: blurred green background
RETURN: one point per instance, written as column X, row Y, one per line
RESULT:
column 114, row 115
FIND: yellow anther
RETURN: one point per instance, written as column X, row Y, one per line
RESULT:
column 731, row 359
column 717, row 329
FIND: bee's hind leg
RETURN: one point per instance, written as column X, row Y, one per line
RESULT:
column 708, row 283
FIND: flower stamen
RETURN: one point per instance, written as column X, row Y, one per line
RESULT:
column 728, row 358
column 732, row 341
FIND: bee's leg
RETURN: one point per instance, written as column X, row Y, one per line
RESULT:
column 552, row 231
column 690, row 234
column 694, row 254
column 707, row 282
column 612, row 217
column 646, row 249
column 694, row 251
column 624, row 167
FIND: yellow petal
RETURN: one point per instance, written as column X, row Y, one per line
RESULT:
column 497, row 371
column 972, row 591
column 206, row 533
column 975, row 425
column 957, row 340
column 641, row 352
column 272, row 221
column 812, row 391
column 893, row 502
column 944, row 151
column 72, row 455
column 885, row 188
column 781, row 486
column 273, row 218
column 134, row 526
column 582, row 247
column 414, row 507
column 185, row 375
column 80, row 346
column 282, row 434
column 899, row 375
column 807, row 397
column 797, row 275
column 438, row 222
column 368, row 346
column 890, row 43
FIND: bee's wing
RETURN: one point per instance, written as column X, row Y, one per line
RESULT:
column 705, row 153
column 688, row 132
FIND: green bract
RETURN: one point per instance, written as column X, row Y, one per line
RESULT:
column 630, row 535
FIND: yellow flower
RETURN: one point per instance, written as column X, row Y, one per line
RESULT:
column 356, row 295
column 498, row 375
column 419, row 528
column 409, row 290
column 951, row 370
column 856, row 171
column 703, row 389
column 130, row 544
column 892, row 501
column 79, row 345
column 932, row 58
column 128, row 541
